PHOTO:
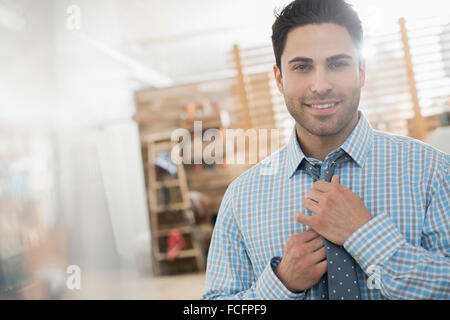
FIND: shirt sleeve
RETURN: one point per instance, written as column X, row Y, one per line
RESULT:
column 229, row 272
column 404, row 271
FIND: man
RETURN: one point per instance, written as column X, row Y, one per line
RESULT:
column 349, row 212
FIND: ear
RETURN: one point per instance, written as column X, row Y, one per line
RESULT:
column 362, row 73
column 278, row 78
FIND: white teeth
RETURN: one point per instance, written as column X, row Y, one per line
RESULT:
column 322, row 106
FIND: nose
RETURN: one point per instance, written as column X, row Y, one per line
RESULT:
column 320, row 83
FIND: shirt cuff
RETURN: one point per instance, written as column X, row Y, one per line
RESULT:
column 271, row 288
column 374, row 242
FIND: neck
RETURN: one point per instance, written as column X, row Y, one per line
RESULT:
column 319, row 147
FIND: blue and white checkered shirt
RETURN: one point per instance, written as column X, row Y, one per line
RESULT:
column 404, row 248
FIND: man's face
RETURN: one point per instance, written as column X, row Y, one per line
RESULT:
column 321, row 78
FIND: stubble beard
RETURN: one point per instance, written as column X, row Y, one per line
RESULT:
column 325, row 125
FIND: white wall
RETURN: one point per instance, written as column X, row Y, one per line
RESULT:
column 95, row 98
column 27, row 73
column 59, row 86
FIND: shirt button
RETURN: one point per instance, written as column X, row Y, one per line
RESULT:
column 356, row 257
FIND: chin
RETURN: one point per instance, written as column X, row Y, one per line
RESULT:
column 326, row 132
column 325, row 128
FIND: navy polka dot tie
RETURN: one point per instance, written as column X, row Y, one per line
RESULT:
column 340, row 282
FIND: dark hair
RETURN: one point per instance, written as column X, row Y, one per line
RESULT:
column 303, row 12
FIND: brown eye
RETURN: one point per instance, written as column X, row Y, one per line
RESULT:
column 338, row 64
column 302, row 67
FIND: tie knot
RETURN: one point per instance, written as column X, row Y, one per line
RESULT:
column 313, row 169
column 339, row 157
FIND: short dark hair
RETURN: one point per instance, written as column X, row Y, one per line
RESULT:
column 303, row 12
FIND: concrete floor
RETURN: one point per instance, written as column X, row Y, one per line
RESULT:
column 122, row 286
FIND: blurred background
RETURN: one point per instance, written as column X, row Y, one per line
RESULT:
column 91, row 207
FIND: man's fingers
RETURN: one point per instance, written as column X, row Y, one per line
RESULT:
column 322, row 266
column 311, row 205
column 335, row 179
column 305, row 219
column 319, row 255
column 322, row 186
column 308, row 235
column 315, row 244
column 314, row 195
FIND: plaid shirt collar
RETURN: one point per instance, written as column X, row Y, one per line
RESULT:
column 357, row 145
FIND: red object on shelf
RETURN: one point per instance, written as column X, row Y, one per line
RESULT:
column 176, row 244
column 190, row 110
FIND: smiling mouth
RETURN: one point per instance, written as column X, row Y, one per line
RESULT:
column 322, row 105
column 323, row 108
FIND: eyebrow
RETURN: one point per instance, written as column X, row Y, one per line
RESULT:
column 329, row 59
column 300, row 59
column 339, row 56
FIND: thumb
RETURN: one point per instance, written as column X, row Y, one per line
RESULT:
column 335, row 179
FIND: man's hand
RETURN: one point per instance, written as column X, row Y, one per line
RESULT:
column 338, row 212
column 304, row 261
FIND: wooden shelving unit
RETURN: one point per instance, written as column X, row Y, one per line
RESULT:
column 177, row 214
column 160, row 111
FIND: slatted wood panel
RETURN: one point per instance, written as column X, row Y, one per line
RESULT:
column 259, row 96
column 386, row 98
column 429, row 41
